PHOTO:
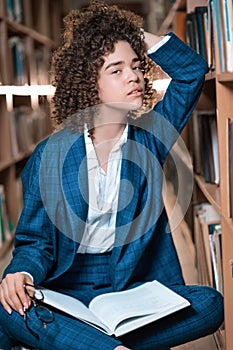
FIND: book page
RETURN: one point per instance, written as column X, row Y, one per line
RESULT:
column 151, row 298
column 73, row 307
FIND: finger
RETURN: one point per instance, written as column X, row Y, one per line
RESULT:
column 5, row 305
column 21, row 291
column 11, row 284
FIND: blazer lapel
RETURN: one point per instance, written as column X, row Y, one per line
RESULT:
column 132, row 178
column 129, row 191
column 75, row 186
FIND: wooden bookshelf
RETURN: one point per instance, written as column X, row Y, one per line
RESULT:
column 28, row 37
column 218, row 93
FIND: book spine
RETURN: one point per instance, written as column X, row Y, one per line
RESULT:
column 200, row 33
column 210, row 39
column 18, row 11
column 5, row 230
column 206, row 136
column 227, row 21
column 215, row 240
column 201, row 30
column 230, row 162
column 206, row 221
column 10, row 9
column 219, row 30
column 2, row 238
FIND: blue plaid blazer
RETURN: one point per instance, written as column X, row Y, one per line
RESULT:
column 56, row 189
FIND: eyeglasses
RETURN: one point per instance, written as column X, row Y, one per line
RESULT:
column 43, row 313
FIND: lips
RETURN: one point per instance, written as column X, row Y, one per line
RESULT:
column 137, row 91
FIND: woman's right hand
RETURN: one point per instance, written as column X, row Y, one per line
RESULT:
column 12, row 292
column 151, row 40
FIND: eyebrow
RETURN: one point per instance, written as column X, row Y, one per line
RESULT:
column 113, row 64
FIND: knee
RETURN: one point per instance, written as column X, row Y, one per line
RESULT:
column 206, row 306
column 214, row 306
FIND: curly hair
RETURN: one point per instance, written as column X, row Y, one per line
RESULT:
column 88, row 35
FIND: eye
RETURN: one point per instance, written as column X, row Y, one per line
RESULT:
column 138, row 67
column 116, row 71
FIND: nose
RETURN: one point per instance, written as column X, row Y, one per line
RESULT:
column 132, row 75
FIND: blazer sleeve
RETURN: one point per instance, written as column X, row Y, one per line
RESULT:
column 187, row 70
column 35, row 233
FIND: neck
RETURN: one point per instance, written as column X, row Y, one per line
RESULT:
column 109, row 124
column 108, row 132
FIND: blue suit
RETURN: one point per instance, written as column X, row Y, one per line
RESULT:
column 53, row 219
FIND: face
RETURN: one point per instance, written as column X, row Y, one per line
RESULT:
column 120, row 78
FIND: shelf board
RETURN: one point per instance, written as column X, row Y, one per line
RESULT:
column 210, row 191
column 20, row 28
column 225, row 77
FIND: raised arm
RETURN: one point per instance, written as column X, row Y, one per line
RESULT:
column 187, row 70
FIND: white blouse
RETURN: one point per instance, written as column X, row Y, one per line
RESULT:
column 104, row 187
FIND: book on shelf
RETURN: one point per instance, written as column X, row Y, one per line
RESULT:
column 230, row 162
column 201, row 15
column 19, row 60
column 219, row 33
column 27, row 126
column 200, row 33
column 14, row 10
column 210, row 36
column 19, row 195
column 223, row 13
column 227, row 21
column 21, row 126
column 10, row 9
column 118, row 313
column 207, row 236
column 15, row 148
column 214, row 148
column 205, row 145
column 2, row 73
column 41, row 57
column 215, row 239
column 191, row 31
column 5, row 225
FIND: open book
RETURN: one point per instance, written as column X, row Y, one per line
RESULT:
column 118, row 313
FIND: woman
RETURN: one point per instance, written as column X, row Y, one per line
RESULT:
column 93, row 219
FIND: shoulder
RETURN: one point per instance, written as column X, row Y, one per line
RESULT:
column 49, row 153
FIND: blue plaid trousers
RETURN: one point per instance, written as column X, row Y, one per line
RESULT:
column 87, row 278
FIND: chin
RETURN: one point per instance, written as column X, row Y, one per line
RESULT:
column 135, row 106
